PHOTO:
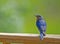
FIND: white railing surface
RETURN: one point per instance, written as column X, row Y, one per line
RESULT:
column 57, row 36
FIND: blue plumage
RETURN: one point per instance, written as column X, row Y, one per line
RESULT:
column 41, row 25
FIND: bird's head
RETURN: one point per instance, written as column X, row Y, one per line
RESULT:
column 39, row 17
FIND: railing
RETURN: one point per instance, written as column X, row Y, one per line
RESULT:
column 8, row 38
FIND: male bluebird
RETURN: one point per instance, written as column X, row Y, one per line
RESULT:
column 41, row 25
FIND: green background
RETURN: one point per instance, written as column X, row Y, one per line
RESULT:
column 18, row 16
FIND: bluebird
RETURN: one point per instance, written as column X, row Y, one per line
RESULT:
column 41, row 25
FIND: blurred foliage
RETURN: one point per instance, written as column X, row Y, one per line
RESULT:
column 18, row 16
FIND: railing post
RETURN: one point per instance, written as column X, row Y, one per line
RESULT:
column 6, row 42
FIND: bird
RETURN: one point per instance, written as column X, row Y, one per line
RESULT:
column 41, row 25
